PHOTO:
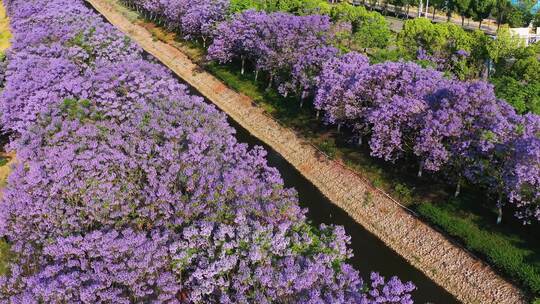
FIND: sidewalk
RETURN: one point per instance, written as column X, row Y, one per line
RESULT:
column 469, row 279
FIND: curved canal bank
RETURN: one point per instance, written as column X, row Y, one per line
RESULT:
column 370, row 253
column 470, row 280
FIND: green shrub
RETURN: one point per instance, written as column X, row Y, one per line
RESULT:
column 404, row 193
column 328, row 148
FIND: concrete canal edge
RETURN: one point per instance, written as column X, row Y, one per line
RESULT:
column 469, row 279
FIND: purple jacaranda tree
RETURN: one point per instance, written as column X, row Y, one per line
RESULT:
column 386, row 101
column 464, row 123
column 378, row 106
column 291, row 49
column 333, row 82
column 522, row 176
column 239, row 39
column 202, row 17
column 306, row 70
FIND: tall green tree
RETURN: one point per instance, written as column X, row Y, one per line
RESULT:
column 462, row 7
column 421, row 33
column 504, row 47
column 482, row 9
column 536, row 19
column 437, row 5
column 501, row 10
column 371, row 31
column 517, row 16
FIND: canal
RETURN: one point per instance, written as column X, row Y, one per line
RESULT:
column 370, row 253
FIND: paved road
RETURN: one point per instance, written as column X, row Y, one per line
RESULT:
column 397, row 24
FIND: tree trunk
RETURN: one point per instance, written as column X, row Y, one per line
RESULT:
column 339, row 127
column 462, row 20
column 421, row 169
column 318, row 114
column 499, row 209
column 427, row 8
column 270, row 82
column 480, row 24
column 458, row 188
column 360, row 139
column 243, row 65
column 407, row 14
column 434, row 11
column 486, row 70
column 256, row 74
column 302, row 98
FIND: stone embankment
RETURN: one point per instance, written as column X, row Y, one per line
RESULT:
column 452, row 267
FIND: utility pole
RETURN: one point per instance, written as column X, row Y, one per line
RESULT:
column 420, row 8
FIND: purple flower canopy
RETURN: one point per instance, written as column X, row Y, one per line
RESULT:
column 457, row 128
column 129, row 189
column 292, row 49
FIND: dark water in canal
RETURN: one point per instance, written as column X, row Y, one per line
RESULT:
column 370, row 253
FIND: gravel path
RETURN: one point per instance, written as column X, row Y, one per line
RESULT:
column 466, row 277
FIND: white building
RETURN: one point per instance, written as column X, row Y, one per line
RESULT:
column 527, row 34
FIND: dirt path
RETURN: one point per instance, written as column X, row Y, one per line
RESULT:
column 469, row 279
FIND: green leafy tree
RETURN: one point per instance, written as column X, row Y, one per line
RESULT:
column 482, row 9
column 504, row 46
column 518, row 16
column 371, row 31
column 501, row 10
column 437, row 5
column 462, row 7
column 242, row 5
column 299, row 7
column 421, row 33
column 525, row 65
column 523, row 96
column 536, row 19
column 346, row 12
column 460, row 52
column 479, row 53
